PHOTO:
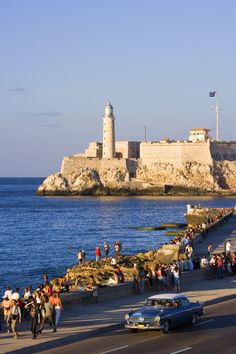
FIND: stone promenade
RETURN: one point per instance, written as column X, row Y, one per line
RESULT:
column 82, row 321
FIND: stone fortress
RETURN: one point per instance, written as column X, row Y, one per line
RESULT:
column 194, row 166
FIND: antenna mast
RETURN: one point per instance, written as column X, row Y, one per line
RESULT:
column 217, row 110
column 217, row 115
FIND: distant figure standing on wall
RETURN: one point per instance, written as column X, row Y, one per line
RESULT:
column 80, row 257
column 118, row 248
column 98, row 254
column 83, row 254
column 106, row 249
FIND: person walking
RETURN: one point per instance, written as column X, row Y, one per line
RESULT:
column 33, row 306
column 176, row 279
column 56, row 303
column 228, row 247
column 7, row 304
column 15, row 317
column 220, row 265
column 98, row 254
column 48, row 314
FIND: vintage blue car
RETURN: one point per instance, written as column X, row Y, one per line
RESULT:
column 164, row 312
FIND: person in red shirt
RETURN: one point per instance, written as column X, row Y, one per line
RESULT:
column 234, row 262
column 98, row 254
column 220, row 264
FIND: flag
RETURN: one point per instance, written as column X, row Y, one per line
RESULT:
column 212, row 94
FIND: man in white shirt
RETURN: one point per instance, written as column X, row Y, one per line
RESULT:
column 228, row 247
column 204, row 262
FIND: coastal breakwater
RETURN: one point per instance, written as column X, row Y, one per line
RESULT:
column 83, row 176
column 105, row 274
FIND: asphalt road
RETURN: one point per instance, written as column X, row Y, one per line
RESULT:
column 214, row 333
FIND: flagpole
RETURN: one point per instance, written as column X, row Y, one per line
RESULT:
column 217, row 115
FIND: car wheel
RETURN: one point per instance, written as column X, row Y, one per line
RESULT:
column 133, row 330
column 194, row 319
column 166, row 326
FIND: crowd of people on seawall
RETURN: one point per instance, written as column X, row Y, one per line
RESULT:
column 43, row 305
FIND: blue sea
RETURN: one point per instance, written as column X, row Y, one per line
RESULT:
column 43, row 234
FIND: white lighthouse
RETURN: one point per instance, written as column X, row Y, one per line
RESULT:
column 108, row 132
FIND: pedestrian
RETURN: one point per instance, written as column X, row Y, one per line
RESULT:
column 188, row 251
column 48, row 314
column 45, row 278
column 16, row 295
column 204, row 263
column 176, row 279
column 8, row 293
column 15, row 317
column 138, row 275
column 209, row 250
column 33, row 306
column 7, row 304
column 93, row 288
column 120, row 274
column 98, row 254
column 228, row 247
column 47, row 290
column 80, row 257
column 56, row 303
column 27, row 293
column 220, row 265
column 106, row 249
column 118, row 248
column 83, row 254
column 234, row 263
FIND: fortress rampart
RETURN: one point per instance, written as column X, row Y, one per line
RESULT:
column 196, row 165
column 223, row 150
column 175, row 152
column 71, row 163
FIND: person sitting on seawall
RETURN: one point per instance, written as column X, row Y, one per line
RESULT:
column 93, row 288
column 120, row 275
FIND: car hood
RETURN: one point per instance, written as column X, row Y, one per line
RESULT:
column 149, row 311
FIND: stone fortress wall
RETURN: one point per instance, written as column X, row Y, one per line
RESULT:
column 223, row 150
column 196, row 164
column 166, row 161
column 71, row 163
column 147, row 153
column 175, row 152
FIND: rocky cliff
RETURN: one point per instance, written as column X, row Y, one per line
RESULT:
column 157, row 178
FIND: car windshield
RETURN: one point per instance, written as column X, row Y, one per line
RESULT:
column 159, row 302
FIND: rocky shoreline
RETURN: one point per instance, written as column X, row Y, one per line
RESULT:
column 59, row 185
column 103, row 273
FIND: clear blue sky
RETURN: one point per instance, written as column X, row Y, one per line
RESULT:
column 61, row 61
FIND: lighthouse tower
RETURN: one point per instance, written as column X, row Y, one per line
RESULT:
column 108, row 150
